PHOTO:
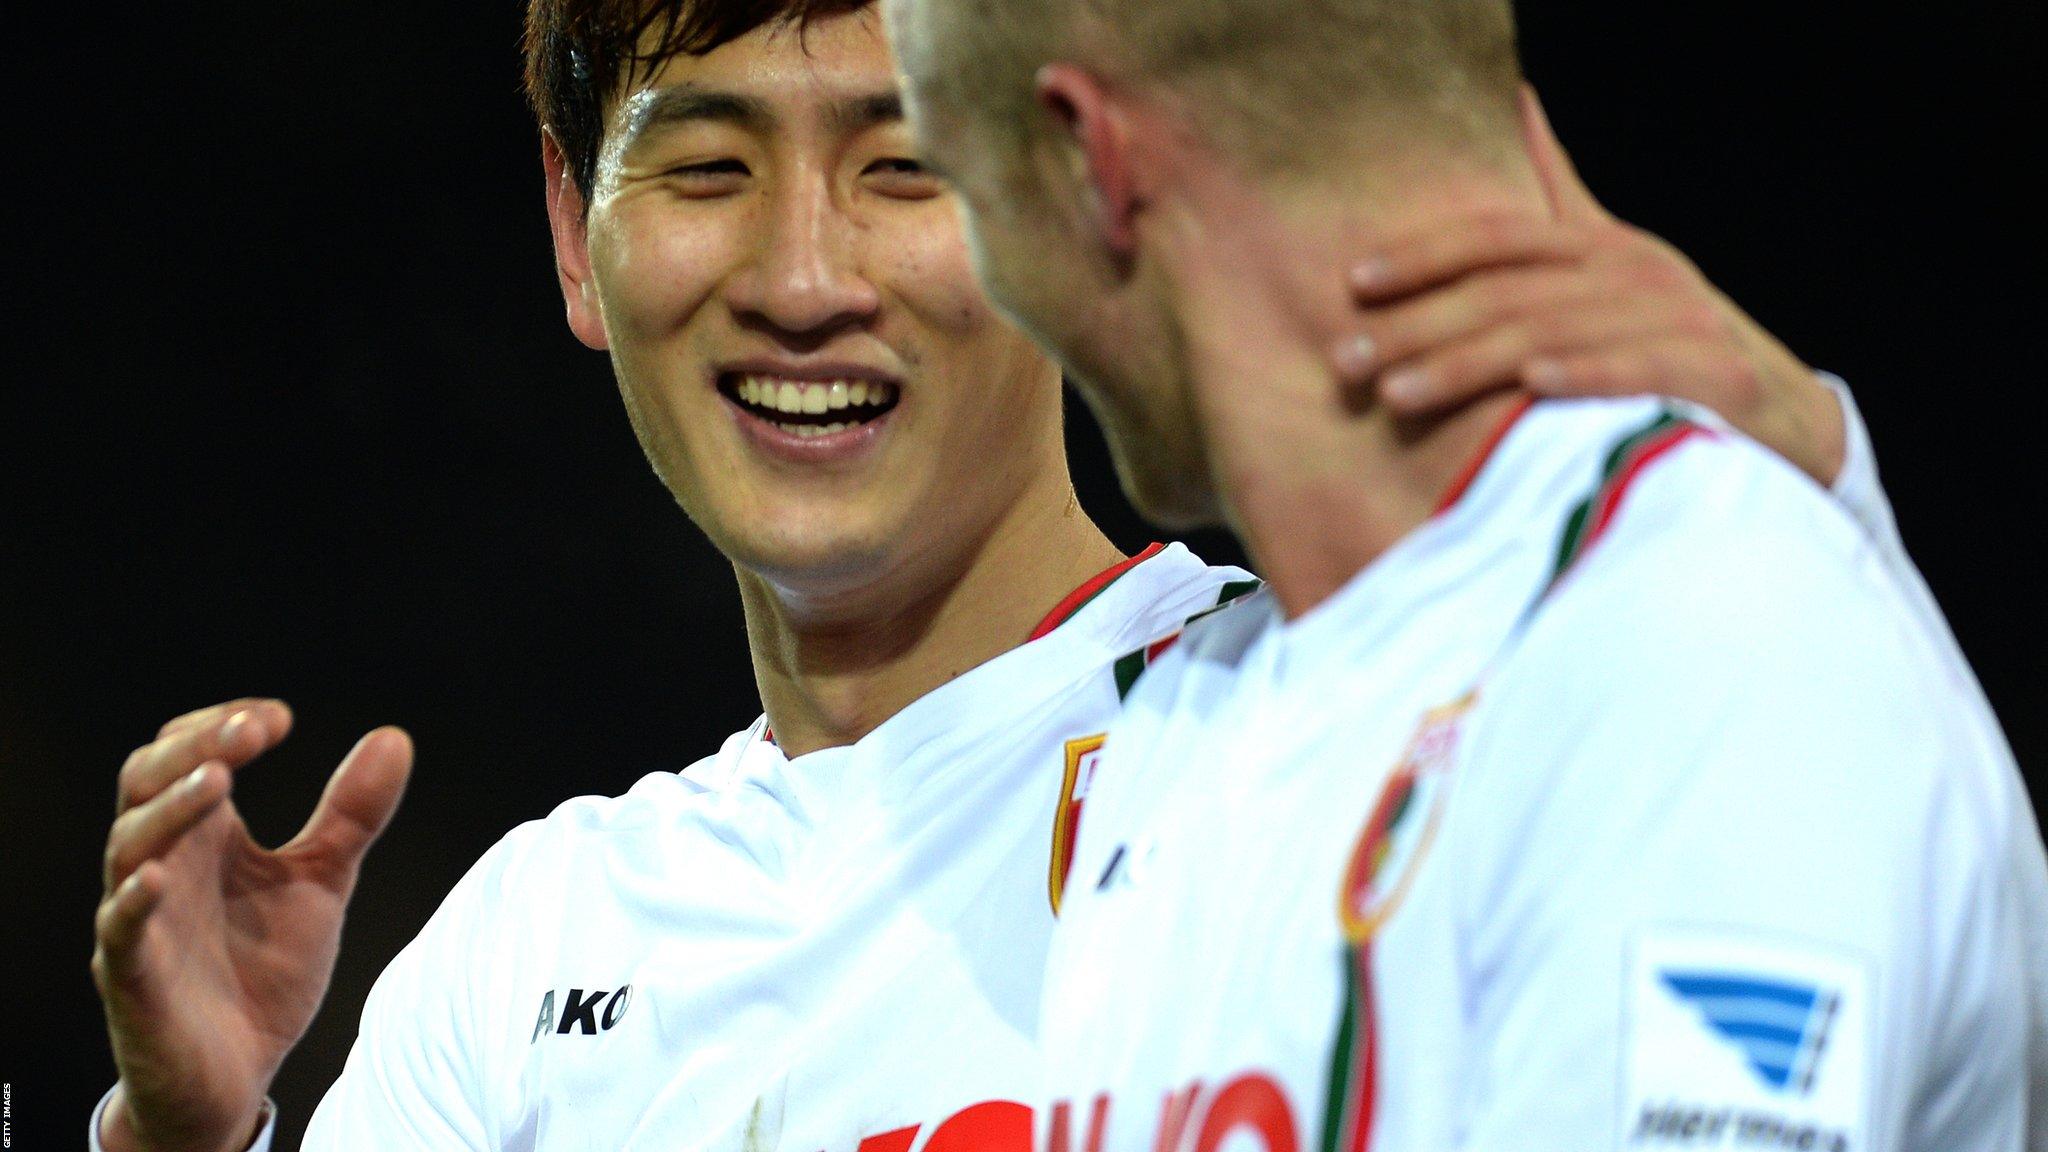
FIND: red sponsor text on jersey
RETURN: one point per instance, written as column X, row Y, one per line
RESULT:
column 1197, row 1118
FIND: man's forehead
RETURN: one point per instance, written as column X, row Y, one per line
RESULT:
column 837, row 64
column 839, row 107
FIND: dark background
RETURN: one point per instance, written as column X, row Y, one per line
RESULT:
column 294, row 412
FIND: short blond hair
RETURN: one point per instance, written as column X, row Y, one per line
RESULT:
column 1268, row 80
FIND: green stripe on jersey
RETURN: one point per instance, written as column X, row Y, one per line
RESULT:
column 1235, row 589
column 1130, row 667
column 1128, row 670
column 1337, row 1086
column 1574, row 540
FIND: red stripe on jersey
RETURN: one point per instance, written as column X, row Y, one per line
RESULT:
column 1610, row 501
column 1463, row 483
column 1079, row 597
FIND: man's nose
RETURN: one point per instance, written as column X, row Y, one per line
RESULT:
column 805, row 278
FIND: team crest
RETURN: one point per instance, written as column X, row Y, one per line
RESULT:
column 1403, row 823
column 1082, row 756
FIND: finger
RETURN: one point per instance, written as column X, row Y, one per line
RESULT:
column 213, row 713
column 234, row 740
column 148, row 831
column 1458, row 312
column 1415, row 263
column 117, row 927
column 1708, row 372
column 359, row 801
column 1499, row 356
column 1569, row 197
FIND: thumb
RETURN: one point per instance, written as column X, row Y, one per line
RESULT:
column 1569, row 197
column 359, row 801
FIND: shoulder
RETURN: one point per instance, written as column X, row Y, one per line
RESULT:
column 1200, row 646
column 593, row 834
column 527, row 875
column 1732, row 672
column 434, row 1029
column 1160, row 596
column 1726, row 741
column 1721, row 568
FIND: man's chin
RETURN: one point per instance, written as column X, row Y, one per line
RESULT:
column 1170, row 494
column 816, row 563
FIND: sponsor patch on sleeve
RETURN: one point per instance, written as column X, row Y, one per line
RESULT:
column 1744, row 1044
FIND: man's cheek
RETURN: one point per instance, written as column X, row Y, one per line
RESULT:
column 938, row 282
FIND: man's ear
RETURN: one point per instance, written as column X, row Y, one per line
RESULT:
column 1099, row 131
column 570, row 225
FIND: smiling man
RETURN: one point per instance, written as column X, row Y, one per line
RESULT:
column 1582, row 778
column 830, row 934
column 832, row 928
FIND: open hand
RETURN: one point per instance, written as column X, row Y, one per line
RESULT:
column 213, row 952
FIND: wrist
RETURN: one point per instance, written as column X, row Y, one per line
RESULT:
column 116, row 1127
column 1828, row 428
column 118, row 1132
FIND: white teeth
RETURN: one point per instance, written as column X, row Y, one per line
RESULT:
column 811, row 431
column 812, row 399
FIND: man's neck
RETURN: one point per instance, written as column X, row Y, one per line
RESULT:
column 1342, row 494
column 830, row 673
column 1316, row 481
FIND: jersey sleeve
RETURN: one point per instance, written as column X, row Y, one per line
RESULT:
column 261, row 1143
column 413, row 1079
column 1857, row 487
column 1860, row 492
column 1741, row 876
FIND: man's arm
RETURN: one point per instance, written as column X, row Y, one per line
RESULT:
column 1744, row 863
column 1576, row 302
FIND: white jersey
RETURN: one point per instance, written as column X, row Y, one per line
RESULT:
column 1634, row 801
column 835, row 953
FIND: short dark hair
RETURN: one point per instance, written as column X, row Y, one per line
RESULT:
column 581, row 54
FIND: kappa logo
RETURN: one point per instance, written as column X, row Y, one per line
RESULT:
column 581, row 1012
column 1128, row 865
column 1779, row 1026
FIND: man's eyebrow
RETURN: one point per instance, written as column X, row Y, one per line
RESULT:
column 680, row 104
column 861, row 112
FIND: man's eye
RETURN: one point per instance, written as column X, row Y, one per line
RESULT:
column 902, row 176
column 709, row 177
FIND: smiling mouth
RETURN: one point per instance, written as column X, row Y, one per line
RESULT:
column 808, row 408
